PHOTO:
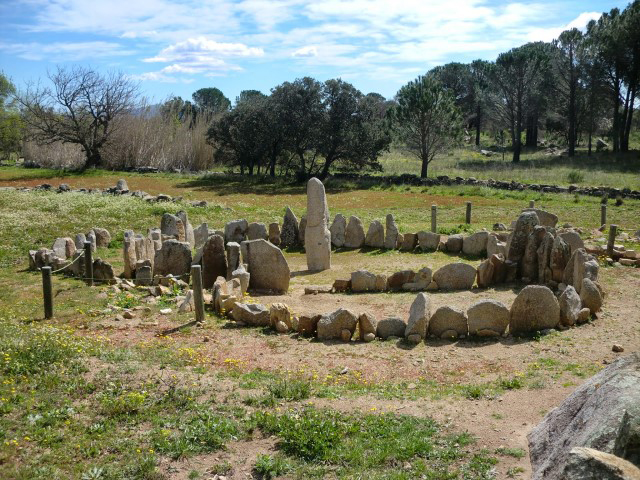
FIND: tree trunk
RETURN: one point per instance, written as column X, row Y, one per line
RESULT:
column 622, row 126
column 93, row 159
column 478, row 119
column 627, row 128
column 616, row 116
column 590, row 135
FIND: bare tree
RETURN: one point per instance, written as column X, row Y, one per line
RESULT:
column 80, row 108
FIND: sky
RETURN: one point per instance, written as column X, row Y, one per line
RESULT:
column 177, row 47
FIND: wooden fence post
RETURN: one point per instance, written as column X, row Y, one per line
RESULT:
column 198, row 298
column 468, row 216
column 47, row 292
column 612, row 238
column 603, row 214
column 88, row 264
column 434, row 213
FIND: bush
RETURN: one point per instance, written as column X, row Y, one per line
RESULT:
column 574, row 176
column 271, row 466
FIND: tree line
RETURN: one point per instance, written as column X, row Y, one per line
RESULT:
column 581, row 85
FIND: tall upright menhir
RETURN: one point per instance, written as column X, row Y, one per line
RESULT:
column 80, row 108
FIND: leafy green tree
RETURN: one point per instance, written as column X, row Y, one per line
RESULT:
column 249, row 95
column 516, row 77
column 352, row 131
column 210, row 102
column 80, row 108
column 427, row 119
column 11, row 126
column 178, row 110
column 301, row 112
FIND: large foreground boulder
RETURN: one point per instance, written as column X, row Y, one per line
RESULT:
column 535, row 308
column 455, row 276
column 448, row 322
column 267, row 266
column 591, row 464
column 602, row 414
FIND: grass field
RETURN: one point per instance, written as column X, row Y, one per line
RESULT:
column 83, row 396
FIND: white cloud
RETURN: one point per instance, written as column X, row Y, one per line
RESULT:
column 310, row 51
column 548, row 34
column 202, row 46
column 61, row 51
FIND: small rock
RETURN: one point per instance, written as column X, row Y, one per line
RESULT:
column 617, row 348
column 128, row 315
column 165, row 311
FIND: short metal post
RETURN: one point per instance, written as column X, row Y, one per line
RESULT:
column 603, row 214
column 612, row 238
column 468, row 216
column 198, row 298
column 88, row 264
column 532, row 204
column 434, row 213
column 47, row 292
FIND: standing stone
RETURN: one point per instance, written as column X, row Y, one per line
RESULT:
column 256, row 231
column 173, row 258
column 64, row 247
column 302, row 230
column 544, row 258
column 233, row 258
column 488, row 318
column 428, row 241
column 354, row 236
column 317, row 242
column 337, row 229
column 91, row 238
column 535, row 308
column 79, row 241
column 399, row 241
column 419, row 315
column 189, row 236
column 144, row 275
column 524, row 226
column 236, row 231
column 560, row 253
column 375, row 235
column 290, row 227
column 570, row 306
column 214, row 261
column 130, row 258
column 529, row 262
column 274, row 233
column 103, row 237
column 268, row 267
column 172, row 226
column 201, row 234
column 391, row 235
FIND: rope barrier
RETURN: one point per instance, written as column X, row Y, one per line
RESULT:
column 68, row 265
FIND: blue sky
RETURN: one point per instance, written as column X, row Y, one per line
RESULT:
column 174, row 47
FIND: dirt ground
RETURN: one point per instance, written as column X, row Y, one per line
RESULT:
column 502, row 421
